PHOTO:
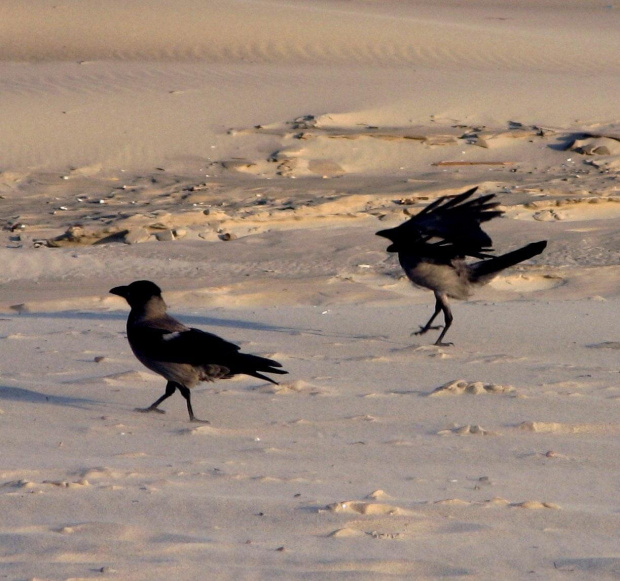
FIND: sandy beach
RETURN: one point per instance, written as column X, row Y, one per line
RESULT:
column 242, row 154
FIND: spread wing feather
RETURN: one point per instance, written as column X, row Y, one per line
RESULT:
column 448, row 227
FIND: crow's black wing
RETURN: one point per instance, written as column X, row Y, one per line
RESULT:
column 183, row 346
column 199, row 348
column 449, row 226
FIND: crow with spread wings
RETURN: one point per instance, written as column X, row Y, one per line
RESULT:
column 433, row 245
column 182, row 355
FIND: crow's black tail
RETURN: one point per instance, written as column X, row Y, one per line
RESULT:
column 486, row 268
column 253, row 365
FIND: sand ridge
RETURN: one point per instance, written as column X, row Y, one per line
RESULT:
column 404, row 33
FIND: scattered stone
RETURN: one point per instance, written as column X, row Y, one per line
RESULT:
column 165, row 236
column 552, row 454
column 596, row 146
column 198, row 187
column 286, row 167
column 384, row 536
column 304, row 122
column 226, row 236
column 547, row 216
column 74, row 235
column 136, row 236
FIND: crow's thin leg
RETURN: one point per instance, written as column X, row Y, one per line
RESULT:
column 448, row 318
column 186, row 394
column 428, row 327
column 170, row 389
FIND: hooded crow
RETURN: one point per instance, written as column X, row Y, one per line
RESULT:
column 184, row 356
column 432, row 247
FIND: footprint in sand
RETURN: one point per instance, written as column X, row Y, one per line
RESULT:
column 560, row 428
column 462, row 386
column 525, row 283
column 432, row 351
column 299, row 387
column 497, row 501
column 103, row 474
column 16, row 485
column 500, row 358
column 122, row 378
column 205, row 430
column 346, row 532
column 367, row 508
column 468, row 430
column 536, row 505
column 103, row 530
column 569, row 209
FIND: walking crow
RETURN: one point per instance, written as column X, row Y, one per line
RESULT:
column 184, row 356
column 432, row 247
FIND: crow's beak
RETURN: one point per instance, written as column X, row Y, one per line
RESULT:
column 121, row 291
column 389, row 234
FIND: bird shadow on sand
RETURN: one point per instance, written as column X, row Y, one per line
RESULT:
column 205, row 323
column 189, row 320
column 8, row 393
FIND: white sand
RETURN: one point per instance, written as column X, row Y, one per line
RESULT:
column 298, row 129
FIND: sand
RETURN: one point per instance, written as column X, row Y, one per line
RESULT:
column 241, row 154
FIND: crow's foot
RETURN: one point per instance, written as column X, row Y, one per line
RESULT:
column 425, row 329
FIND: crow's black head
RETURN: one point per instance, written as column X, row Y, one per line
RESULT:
column 137, row 293
column 401, row 237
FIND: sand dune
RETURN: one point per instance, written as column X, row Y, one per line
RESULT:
column 305, row 32
column 131, row 86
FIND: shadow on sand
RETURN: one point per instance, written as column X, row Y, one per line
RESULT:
column 30, row 396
